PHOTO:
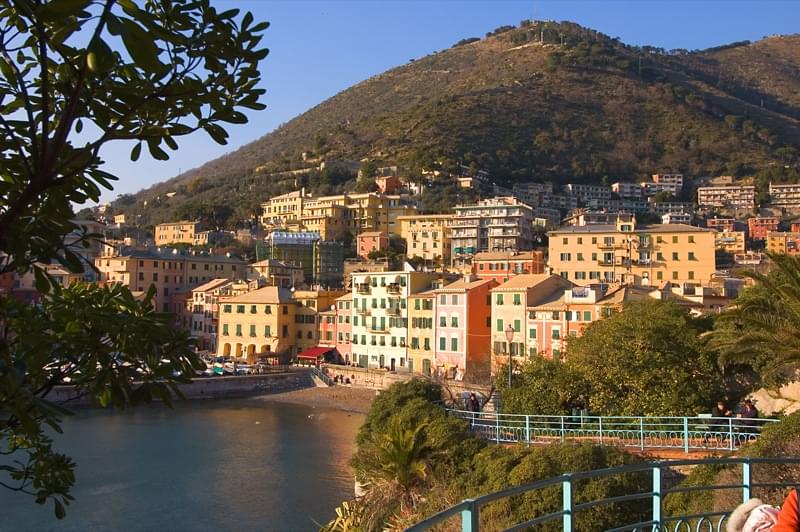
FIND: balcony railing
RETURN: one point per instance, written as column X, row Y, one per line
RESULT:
column 393, row 311
column 363, row 288
column 652, row 502
column 683, row 433
column 393, row 288
column 363, row 311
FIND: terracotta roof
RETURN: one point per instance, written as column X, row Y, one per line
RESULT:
column 462, row 285
column 268, row 294
column 211, row 285
column 347, row 297
column 523, row 281
column 371, row 233
column 612, row 228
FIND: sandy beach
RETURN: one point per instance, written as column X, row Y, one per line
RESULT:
column 339, row 397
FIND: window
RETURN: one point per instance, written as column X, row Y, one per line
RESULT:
column 499, row 299
column 517, row 326
column 224, row 329
column 310, row 335
column 532, row 334
column 453, row 344
column 675, row 255
column 416, row 304
column 691, row 275
column 285, row 331
column 488, row 322
column 500, row 325
column 415, row 343
column 253, row 309
column 568, row 315
column 267, row 331
column 556, row 316
column 580, row 240
column 442, row 321
column 252, row 330
column 299, row 335
column 594, row 240
column 594, row 275
column 226, row 309
column 155, row 277
column 579, row 256
column 556, row 334
column 674, row 276
column 565, row 257
column 659, row 239
column 454, row 300
column 427, row 345
column 579, row 276
column 675, row 239
column 141, row 276
column 587, row 315
column 240, row 309
column 442, row 343
column 691, row 255
column 285, row 309
column 659, row 276
column 238, row 329
column 691, row 239
column 659, row 256
column 454, row 321
column 565, row 241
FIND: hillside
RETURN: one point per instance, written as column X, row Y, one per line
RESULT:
column 579, row 106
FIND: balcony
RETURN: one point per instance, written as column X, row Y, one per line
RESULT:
column 363, row 288
column 616, row 245
column 393, row 288
column 377, row 329
column 618, row 261
column 393, row 311
column 362, row 310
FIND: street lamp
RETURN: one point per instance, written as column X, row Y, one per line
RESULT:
column 509, row 337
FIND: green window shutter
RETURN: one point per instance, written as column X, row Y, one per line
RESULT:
column 587, row 315
column 532, row 333
column 454, row 344
column 442, row 343
column 517, row 326
column 500, row 325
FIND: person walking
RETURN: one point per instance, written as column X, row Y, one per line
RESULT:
column 473, row 403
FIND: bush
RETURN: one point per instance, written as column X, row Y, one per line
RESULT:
column 497, row 468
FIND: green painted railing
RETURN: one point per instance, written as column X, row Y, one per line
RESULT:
column 469, row 510
column 683, row 433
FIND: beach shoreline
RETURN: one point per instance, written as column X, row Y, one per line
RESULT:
column 345, row 398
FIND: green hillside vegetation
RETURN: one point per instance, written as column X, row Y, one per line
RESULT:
column 579, row 106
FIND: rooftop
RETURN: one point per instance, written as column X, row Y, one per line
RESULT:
column 211, row 285
column 506, row 255
column 268, row 294
column 463, row 285
column 519, row 282
column 611, row 228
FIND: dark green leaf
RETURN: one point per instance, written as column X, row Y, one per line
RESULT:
column 136, row 152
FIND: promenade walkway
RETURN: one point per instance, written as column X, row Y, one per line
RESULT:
column 659, row 436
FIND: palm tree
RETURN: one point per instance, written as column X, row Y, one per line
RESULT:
column 763, row 328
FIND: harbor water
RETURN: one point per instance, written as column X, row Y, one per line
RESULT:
column 245, row 464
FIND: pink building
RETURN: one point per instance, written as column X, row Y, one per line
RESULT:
column 759, row 226
column 344, row 327
column 370, row 241
column 335, row 328
column 462, row 321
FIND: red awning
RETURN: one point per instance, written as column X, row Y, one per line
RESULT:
column 315, row 352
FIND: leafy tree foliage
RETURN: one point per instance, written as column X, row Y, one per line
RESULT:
column 646, row 360
column 763, row 329
column 64, row 94
column 543, row 387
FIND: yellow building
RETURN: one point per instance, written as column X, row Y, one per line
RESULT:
column 334, row 216
column 258, row 322
column 421, row 354
column 309, row 303
column 427, row 236
column 631, row 254
column 183, row 232
column 730, row 241
column 783, row 242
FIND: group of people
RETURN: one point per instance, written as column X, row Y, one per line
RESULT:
column 744, row 418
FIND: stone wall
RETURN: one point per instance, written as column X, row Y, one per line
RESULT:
column 216, row 387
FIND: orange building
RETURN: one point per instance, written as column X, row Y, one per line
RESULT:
column 370, row 241
column 501, row 266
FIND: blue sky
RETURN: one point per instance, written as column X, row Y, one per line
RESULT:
column 319, row 48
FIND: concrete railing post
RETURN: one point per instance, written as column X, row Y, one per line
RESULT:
column 746, row 480
column 566, row 506
column 470, row 517
column 686, row 435
column 656, row 497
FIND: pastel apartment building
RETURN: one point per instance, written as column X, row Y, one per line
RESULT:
column 334, row 216
column 628, row 253
column 730, row 241
column 626, row 189
column 721, row 224
column 783, row 243
column 495, row 224
column 501, row 266
column 276, row 273
column 169, row 271
column 509, row 315
column 421, row 349
column 427, row 236
column 258, row 323
column 587, row 193
column 463, row 326
column 738, row 197
column 669, row 179
column 785, row 196
column 370, row 241
column 203, row 308
column 676, row 218
column 759, row 226
column 380, row 316
column 182, row 232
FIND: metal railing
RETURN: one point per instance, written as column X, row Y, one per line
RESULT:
column 321, row 375
column 651, row 502
column 686, row 433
